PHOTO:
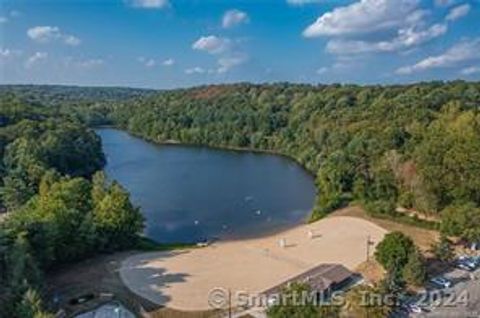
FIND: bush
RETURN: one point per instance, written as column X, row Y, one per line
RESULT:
column 394, row 250
column 415, row 272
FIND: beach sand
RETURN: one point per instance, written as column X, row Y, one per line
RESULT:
column 183, row 279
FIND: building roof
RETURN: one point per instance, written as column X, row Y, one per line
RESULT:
column 319, row 278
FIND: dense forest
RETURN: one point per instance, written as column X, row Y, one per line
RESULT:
column 60, row 206
column 415, row 147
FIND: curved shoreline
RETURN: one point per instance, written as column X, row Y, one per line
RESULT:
column 223, row 148
column 302, row 213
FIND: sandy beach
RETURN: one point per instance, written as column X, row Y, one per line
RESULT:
column 183, row 279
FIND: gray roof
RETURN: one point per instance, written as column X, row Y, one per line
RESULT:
column 319, row 278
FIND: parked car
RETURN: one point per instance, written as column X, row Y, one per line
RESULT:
column 467, row 263
column 414, row 309
column 476, row 260
column 441, row 282
column 464, row 266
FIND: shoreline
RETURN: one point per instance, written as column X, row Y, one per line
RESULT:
column 306, row 218
column 223, row 148
column 182, row 280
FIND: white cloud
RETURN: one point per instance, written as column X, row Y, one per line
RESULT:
column 233, row 18
column 364, row 16
column 212, row 44
column 11, row 14
column 46, row 34
column 372, row 26
column 72, row 40
column 147, row 62
column 8, row 54
column 5, row 53
column 194, row 70
column 225, row 64
column 471, row 70
column 168, row 62
column 406, row 38
column 322, row 70
column 150, row 63
column 460, row 53
column 91, row 63
column 150, row 4
column 458, row 12
column 35, row 59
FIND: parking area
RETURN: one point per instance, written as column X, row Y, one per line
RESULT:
column 454, row 294
column 461, row 300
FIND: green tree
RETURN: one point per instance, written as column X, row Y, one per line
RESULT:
column 393, row 284
column 116, row 220
column 31, row 306
column 364, row 301
column 463, row 220
column 443, row 249
column 23, row 269
column 415, row 272
column 393, row 251
column 16, row 190
column 449, row 155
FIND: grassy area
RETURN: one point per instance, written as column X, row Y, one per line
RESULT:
column 149, row 245
column 423, row 237
column 405, row 219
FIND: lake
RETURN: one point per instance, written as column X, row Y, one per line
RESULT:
column 189, row 194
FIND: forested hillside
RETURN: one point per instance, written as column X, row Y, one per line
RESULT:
column 412, row 146
column 60, row 207
column 415, row 146
column 85, row 103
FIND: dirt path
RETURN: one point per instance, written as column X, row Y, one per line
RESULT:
column 422, row 237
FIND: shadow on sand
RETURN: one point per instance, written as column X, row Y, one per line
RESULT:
column 149, row 281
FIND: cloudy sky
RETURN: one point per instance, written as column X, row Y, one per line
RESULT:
column 178, row 43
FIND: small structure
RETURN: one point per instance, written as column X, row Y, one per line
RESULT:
column 323, row 279
column 312, row 234
column 282, row 242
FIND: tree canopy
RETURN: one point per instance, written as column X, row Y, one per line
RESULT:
column 55, row 213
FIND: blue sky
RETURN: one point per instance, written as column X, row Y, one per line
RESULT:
column 179, row 43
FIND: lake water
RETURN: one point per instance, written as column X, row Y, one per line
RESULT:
column 188, row 194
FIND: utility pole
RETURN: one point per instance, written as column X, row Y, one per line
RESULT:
column 229, row 303
column 368, row 248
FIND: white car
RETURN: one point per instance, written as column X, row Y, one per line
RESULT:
column 467, row 263
column 441, row 282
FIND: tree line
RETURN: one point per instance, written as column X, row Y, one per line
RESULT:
column 411, row 146
column 60, row 206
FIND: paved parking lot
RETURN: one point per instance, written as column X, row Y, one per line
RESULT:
column 461, row 300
